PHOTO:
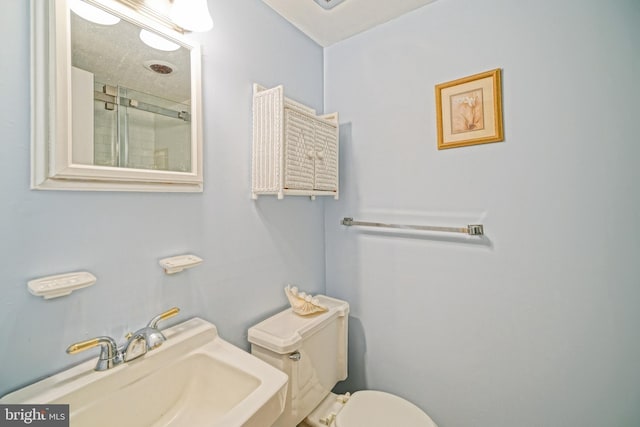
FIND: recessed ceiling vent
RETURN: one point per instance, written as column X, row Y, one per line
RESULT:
column 328, row 4
column 160, row 67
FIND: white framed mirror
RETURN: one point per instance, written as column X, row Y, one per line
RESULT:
column 110, row 112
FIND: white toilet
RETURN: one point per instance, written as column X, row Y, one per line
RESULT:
column 312, row 351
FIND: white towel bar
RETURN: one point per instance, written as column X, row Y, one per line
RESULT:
column 472, row 229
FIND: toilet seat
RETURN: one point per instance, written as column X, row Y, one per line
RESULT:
column 379, row 409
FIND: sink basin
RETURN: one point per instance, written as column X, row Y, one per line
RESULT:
column 194, row 379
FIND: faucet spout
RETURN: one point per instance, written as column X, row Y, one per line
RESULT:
column 147, row 338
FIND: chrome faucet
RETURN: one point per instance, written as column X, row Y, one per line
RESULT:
column 138, row 343
column 147, row 338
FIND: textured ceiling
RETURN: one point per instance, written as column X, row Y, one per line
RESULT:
column 116, row 56
column 328, row 26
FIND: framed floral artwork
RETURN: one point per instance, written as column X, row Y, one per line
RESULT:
column 469, row 110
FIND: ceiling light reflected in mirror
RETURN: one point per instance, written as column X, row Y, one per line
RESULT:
column 158, row 42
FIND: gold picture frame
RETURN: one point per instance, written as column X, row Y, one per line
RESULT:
column 469, row 110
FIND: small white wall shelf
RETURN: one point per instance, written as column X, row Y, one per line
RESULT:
column 178, row 263
column 60, row 284
column 295, row 151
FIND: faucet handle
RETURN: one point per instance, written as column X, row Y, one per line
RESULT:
column 109, row 354
column 163, row 316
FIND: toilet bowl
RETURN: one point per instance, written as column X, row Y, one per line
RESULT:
column 366, row 408
column 312, row 351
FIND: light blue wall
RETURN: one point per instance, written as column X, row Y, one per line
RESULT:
column 251, row 249
column 535, row 325
column 538, row 324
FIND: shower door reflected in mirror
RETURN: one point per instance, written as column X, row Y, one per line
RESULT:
column 140, row 97
column 116, row 107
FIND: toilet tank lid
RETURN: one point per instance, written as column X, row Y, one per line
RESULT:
column 283, row 332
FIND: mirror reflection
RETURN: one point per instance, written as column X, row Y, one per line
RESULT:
column 131, row 103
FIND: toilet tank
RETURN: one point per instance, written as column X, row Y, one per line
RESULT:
column 311, row 350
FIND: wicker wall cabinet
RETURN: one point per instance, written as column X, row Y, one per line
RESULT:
column 295, row 151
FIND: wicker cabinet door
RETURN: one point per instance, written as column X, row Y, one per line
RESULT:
column 326, row 157
column 298, row 151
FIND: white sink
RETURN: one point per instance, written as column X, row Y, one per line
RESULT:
column 194, row 379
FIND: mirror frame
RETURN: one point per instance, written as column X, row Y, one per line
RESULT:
column 52, row 167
